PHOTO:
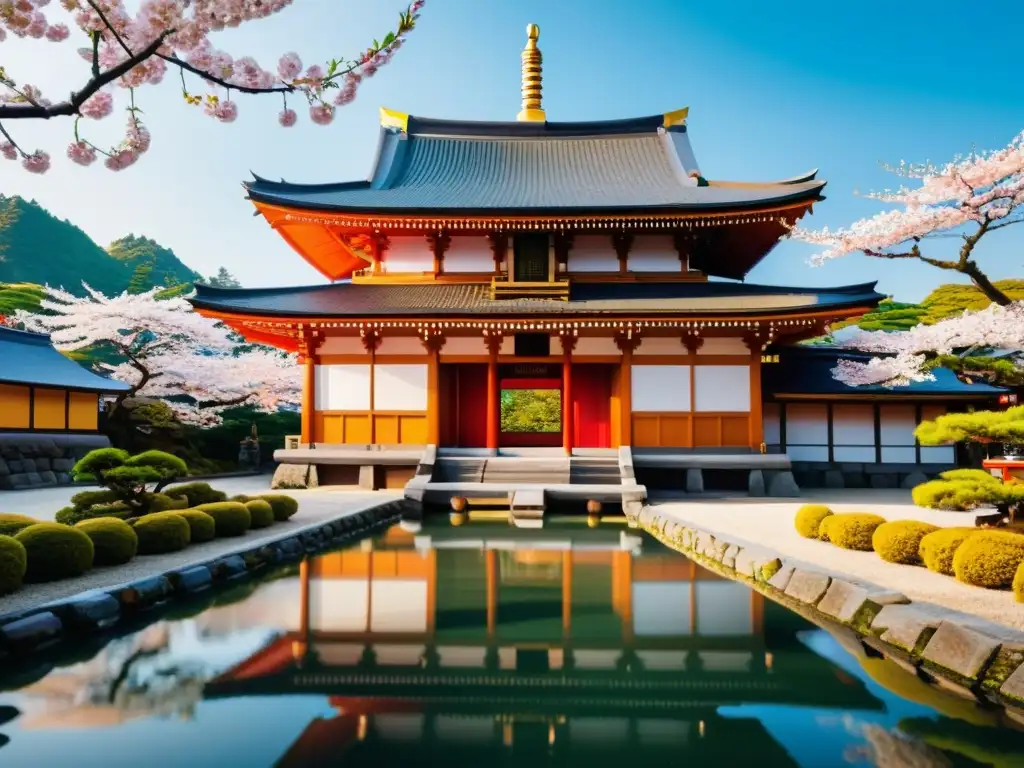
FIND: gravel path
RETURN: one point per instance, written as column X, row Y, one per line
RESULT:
column 770, row 524
column 315, row 507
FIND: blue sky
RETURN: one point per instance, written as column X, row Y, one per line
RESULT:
column 773, row 91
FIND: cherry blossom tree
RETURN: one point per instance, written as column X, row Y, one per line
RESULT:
column 905, row 355
column 126, row 52
column 168, row 352
column 969, row 197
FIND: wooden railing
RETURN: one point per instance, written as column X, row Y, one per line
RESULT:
column 502, row 288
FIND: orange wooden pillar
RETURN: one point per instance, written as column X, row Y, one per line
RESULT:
column 308, row 400
column 567, row 593
column 626, row 345
column 756, row 420
column 491, row 567
column 433, row 395
column 300, row 648
column 493, row 393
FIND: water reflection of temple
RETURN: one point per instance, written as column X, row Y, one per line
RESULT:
column 479, row 639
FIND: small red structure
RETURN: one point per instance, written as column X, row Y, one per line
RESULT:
column 1009, row 469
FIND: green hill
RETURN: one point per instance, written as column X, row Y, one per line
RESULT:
column 37, row 247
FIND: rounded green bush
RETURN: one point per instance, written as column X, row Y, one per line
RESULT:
column 899, row 541
column 242, row 498
column 13, row 564
column 231, row 517
column 937, row 548
column 989, row 559
column 200, row 524
column 284, row 506
column 261, row 512
column 55, row 551
column 86, row 499
column 162, row 533
column 824, row 526
column 74, row 515
column 113, row 540
column 162, row 502
column 808, row 520
column 853, row 530
column 11, row 523
column 196, row 493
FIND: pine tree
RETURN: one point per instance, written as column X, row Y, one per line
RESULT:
column 142, row 278
column 223, row 279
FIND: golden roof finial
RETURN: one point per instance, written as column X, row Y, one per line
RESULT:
column 532, row 66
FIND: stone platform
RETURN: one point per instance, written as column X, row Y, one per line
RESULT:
column 697, row 471
column 42, row 459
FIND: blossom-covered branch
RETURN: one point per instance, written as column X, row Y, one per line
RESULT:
column 130, row 51
column 970, row 196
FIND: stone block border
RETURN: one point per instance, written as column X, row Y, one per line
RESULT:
column 939, row 650
column 71, row 621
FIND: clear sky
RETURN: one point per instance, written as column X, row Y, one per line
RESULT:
column 773, row 90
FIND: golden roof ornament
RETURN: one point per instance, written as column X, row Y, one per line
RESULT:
column 532, row 66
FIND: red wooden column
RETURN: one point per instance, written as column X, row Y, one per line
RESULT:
column 493, row 393
column 568, row 415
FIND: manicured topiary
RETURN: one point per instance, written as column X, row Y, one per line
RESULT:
column 230, row 517
column 114, row 542
column 200, row 524
column 937, row 548
column 284, row 506
column 1018, row 584
column 86, row 499
column 197, row 493
column 162, row 502
column 161, row 533
column 853, row 530
column 242, row 498
column 989, row 559
column 11, row 523
column 824, row 526
column 965, row 489
column 55, row 551
column 13, row 563
column 74, row 515
column 898, row 541
column 808, row 519
column 261, row 513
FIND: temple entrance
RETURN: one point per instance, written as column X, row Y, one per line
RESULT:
column 592, row 405
column 530, row 260
column 531, row 406
column 463, row 405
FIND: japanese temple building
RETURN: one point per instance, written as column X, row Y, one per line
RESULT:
column 596, row 259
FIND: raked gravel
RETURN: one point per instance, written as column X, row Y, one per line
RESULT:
column 770, row 523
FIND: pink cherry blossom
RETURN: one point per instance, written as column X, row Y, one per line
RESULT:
column 98, row 106
column 225, row 111
column 321, row 114
column 9, row 151
column 287, row 117
column 58, row 33
column 121, row 159
column 289, row 66
column 81, row 153
column 37, row 162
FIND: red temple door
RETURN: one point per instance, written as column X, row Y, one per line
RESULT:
column 591, row 402
column 463, row 403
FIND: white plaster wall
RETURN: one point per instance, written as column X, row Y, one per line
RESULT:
column 593, row 253
column 471, row 253
column 461, row 656
column 662, row 660
column 853, row 432
column 897, row 433
column 342, row 345
column 342, row 387
column 722, row 388
column 661, row 608
column 464, row 345
column 653, row 253
column 660, row 345
column 661, row 388
column 399, row 605
column 807, row 432
column 400, row 387
column 772, row 424
column 399, row 655
column 723, row 346
column 408, row 253
column 338, row 605
column 938, row 454
column 401, row 345
column 595, row 345
column 723, row 609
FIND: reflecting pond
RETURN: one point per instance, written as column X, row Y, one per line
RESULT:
column 486, row 644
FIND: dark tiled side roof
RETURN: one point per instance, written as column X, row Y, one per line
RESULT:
column 378, row 300
column 29, row 358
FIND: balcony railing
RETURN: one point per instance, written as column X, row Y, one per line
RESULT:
column 502, row 288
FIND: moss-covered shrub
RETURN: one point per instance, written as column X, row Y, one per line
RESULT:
column 113, row 540
column 55, row 551
column 899, row 541
column 242, row 498
column 824, row 526
column 197, row 493
column 808, row 520
column 937, row 548
column 965, row 489
column 11, row 523
column 230, row 517
column 162, row 502
column 284, row 506
column 1018, row 584
column 75, row 515
column 162, row 533
column 989, row 559
column 13, row 563
column 86, row 499
column 201, row 525
column 260, row 512
column 853, row 530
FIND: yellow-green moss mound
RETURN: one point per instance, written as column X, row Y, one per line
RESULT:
column 261, row 512
column 113, row 540
column 937, row 548
column 809, row 518
column 824, row 526
column 202, row 526
column 989, row 559
column 284, row 506
column 55, row 551
column 853, row 530
column 197, row 493
column 13, row 564
column 899, row 541
column 230, row 517
column 1018, row 584
column 11, row 523
column 162, row 533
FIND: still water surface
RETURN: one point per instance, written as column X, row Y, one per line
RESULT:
column 487, row 645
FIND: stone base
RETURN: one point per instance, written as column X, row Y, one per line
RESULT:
column 821, row 474
column 42, row 460
column 294, row 477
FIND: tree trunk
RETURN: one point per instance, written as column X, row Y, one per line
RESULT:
column 983, row 284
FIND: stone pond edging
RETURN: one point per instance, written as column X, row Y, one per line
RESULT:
column 939, row 650
column 100, row 610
